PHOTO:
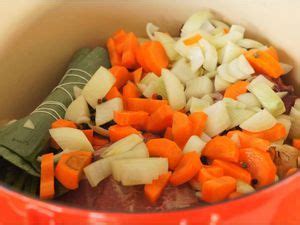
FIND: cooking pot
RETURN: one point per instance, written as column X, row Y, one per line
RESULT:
column 37, row 38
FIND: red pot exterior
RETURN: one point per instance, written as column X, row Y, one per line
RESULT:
column 278, row 204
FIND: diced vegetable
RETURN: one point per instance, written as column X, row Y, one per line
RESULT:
column 244, row 188
column 236, row 89
column 208, row 173
column 148, row 78
column 137, row 75
column 249, row 99
column 182, row 70
column 77, row 91
column 286, row 67
column 71, row 138
column 117, row 132
column 121, row 75
column 63, row 123
column 105, row 111
column 160, row 119
column 194, row 144
column 285, row 120
column 249, row 43
column 168, row 43
column 199, row 87
column 47, row 177
column 198, row 122
column 143, row 104
column 130, row 90
column 181, row 128
column 240, row 68
column 233, row 35
column 198, row 105
column 210, row 55
column 229, row 52
column 136, row 119
column 295, row 118
column 150, row 30
column 98, row 86
column 262, row 79
column 272, row 134
column 156, row 87
column 113, row 93
column 220, row 84
column 224, row 73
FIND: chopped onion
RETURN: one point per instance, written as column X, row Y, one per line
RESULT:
column 99, row 130
column 238, row 28
column 240, row 68
column 219, row 24
column 156, row 87
column 249, row 43
column 183, row 71
column 199, row 87
column 123, row 145
column 105, row 111
column 78, row 111
column 194, row 144
column 77, row 91
column 281, row 94
column 210, row 55
column 249, row 99
column 150, row 30
column 196, row 58
column 71, row 138
column 262, row 79
column 224, row 73
column 197, row 105
column 218, row 118
column 175, row 90
column 236, row 139
column 221, row 41
column 168, row 43
column 207, row 26
column 98, row 86
column 244, row 188
column 229, row 52
column 220, row 84
column 285, row 120
column 149, row 77
column 138, row 171
column 260, row 121
column 286, row 67
column 211, row 74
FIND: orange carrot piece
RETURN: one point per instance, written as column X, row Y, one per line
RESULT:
column 144, row 104
column 187, row 168
column 141, row 56
column 47, row 176
column 99, row 142
column 226, row 30
column 162, row 147
column 154, row 190
column 218, row 189
column 63, row 123
column 291, row 171
column 117, row 132
column 264, row 63
column 137, row 119
column 235, row 195
column 114, row 57
column 130, row 90
column 181, row 128
column 89, row 134
column 121, row 74
column 236, row 89
column 259, row 164
column 119, row 38
column 233, row 170
column 70, row 166
column 198, row 121
column 221, row 147
column 208, row 173
column 248, row 141
column 273, row 52
column 168, row 134
column 137, row 75
column 192, row 40
column 160, row 119
column 296, row 143
column 113, row 93
column 131, row 45
column 275, row 133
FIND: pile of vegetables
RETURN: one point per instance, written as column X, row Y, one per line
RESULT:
column 200, row 108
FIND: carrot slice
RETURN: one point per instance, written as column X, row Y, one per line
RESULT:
column 113, row 93
column 236, row 89
column 273, row 52
column 221, row 147
column 186, row 169
column 144, row 104
column 141, row 56
column 114, row 57
column 168, row 134
column 248, row 141
column 130, row 90
column 218, row 189
column 99, row 142
column 137, row 75
column 208, row 173
column 117, row 132
column 296, row 143
column 129, row 51
column 192, row 40
column 69, row 168
column 233, row 170
column 264, row 63
column 162, row 147
column 119, row 38
column 121, row 74
column 181, row 128
column 160, row 119
column 154, row 190
column 47, row 176
column 198, row 120
column 275, row 133
column 89, row 134
column 137, row 119
column 63, row 123
column 259, row 164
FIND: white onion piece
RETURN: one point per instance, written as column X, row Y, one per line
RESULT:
column 220, row 84
column 260, row 121
column 211, row 74
column 71, row 138
column 197, row 104
column 224, row 73
column 286, row 67
column 210, row 55
column 78, row 111
column 156, row 87
column 249, row 99
column 183, row 71
column 77, row 91
column 221, row 41
column 218, row 119
column 148, row 78
column 99, row 130
column 105, row 111
column 199, row 87
column 168, row 43
column 229, row 52
column 238, row 28
column 123, row 145
column 194, row 144
column 262, row 79
column 150, row 30
column 175, row 90
column 244, row 188
column 98, row 86
column 285, row 120
column 196, row 57
column 249, row 43
column 207, row 26
column 281, row 94
column 219, row 24
column 244, row 67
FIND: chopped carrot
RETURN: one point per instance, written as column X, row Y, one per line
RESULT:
column 137, row 75
column 114, row 57
column 121, row 74
column 119, row 38
column 117, row 132
column 233, row 170
column 221, row 147
column 47, row 176
column 89, row 134
column 264, row 63
column 192, row 40
column 160, row 119
column 154, row 190
column 181, row 128
column 226, row 30
column 162, row 147
column 130, row 90
column 218, row 189
column 296, row 143
column 99, row 142
column 234, row 195
column 113, row 93
column 275, row 133
column 198, row 120
column 144, row 104
column 236, row 89
column 129, row 51
column 273, row 52
column 141, row 56
column 168, row 134
column 208, row 173
column 187, row 168
column 259, row 164
column 137, row 119
column 291, row 171
column 63, row 123
column 248, row 141
column 69, row 168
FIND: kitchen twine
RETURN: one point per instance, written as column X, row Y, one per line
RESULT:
column 52, row 112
